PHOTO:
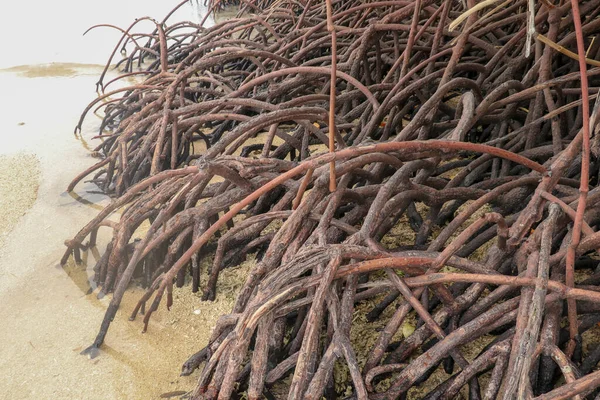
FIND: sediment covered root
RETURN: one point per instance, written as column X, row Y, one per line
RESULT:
column 417, row 178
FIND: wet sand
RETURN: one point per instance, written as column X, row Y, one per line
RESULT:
column 19, row 180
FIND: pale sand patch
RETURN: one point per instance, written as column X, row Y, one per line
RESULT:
column 19, row 182
column 47, row 329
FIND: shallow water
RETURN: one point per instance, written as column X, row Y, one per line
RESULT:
column 49, row 313
column 52, row 31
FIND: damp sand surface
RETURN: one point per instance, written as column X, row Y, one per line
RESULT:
column 19, row 180
column 51, row 313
